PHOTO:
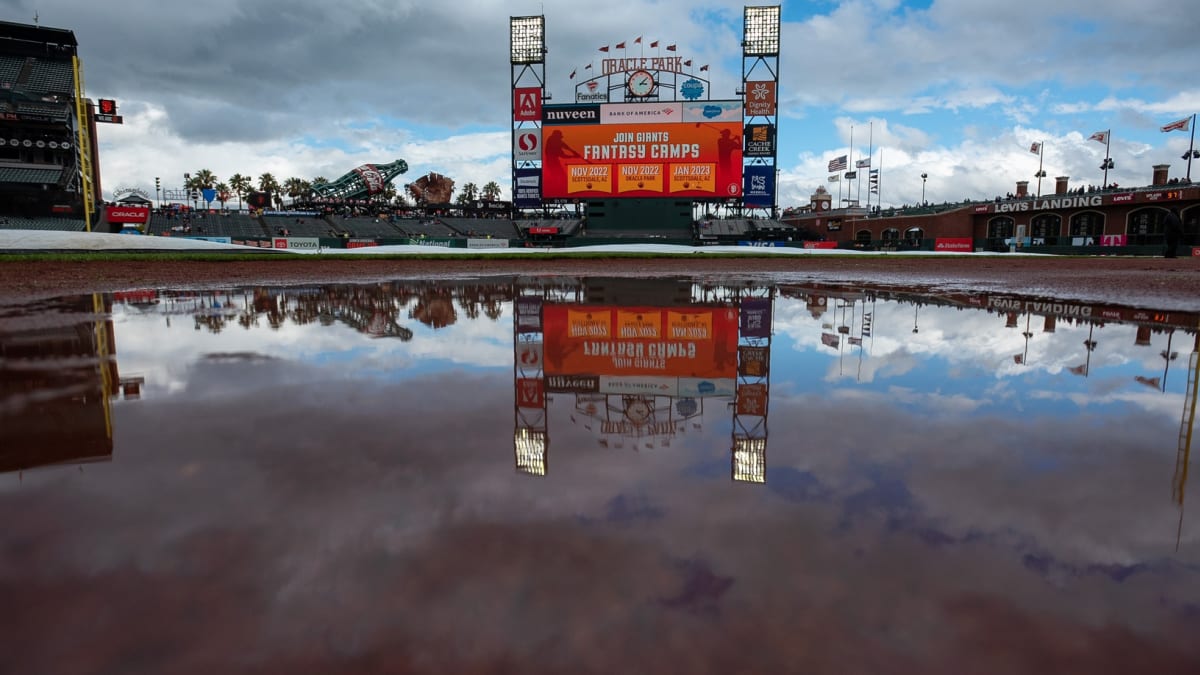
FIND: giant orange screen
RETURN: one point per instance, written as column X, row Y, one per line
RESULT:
column 677, row 159
column 612, row 340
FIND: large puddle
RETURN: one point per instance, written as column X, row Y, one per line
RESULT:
column 596, row 474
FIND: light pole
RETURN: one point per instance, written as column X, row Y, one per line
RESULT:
column 1041, row 173
column 924, row 176
column 916, row 312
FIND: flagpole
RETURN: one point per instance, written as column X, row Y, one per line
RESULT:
column 1041, row 153
column 1191, row 148
column 852, row 154
column 879, row 183
column 870, row 153
column 1107, row 157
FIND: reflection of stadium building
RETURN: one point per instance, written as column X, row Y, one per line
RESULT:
column 56, row 384
column 640, row 361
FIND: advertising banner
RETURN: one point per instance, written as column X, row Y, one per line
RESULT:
column 760, row 140
column 704, row 387
column 642, row 150
column 361, row 243
column 759, row 191
column 487, row 243
column 628, row 340
column 752, row 399
column 754, row 318
column 958, row 244
column 529, row 355
column 527, row 104
column 127, row 214
column 760, row 99
column 543, row 229
column 528, row 193
column 529, row 313
column 820, row 244
column 530, row 393
column 572, row 384
column 296, row 243
column 753, row 361
column 639, row 385
column 527, row 145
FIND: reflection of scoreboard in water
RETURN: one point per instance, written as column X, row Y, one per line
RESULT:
column 640, row 373
column 55, row 388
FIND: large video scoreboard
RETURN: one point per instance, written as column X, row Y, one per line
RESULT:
column 661, row 149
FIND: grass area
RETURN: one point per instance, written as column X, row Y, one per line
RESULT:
column 553, row 254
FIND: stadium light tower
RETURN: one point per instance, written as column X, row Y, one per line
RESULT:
column 761, row 34
column 527, row 39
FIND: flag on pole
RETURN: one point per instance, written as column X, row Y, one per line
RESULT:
column 688, row 63
column 1181, row 125
column 704, row 67
column 572, row 76
column 1100, row 136
column 604, row 48
column 638, row 41
column 654, row 44
column 830, row 340
column 1081, row 369
column 863, row 163
column 1035, row 148
column 835, row 178
column 837, row 164
column 620, row 45
column 588, row 67
column 670, row 48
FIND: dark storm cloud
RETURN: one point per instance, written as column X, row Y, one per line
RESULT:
column 266, row 68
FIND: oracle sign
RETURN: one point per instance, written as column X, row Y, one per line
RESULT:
column 127, row 214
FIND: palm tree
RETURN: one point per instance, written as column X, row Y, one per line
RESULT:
column 296, row 187
column 267, row 183
column 468, row 194
column 241, row 186
column 387, row 194
column 205, row 179
column 223, row 194
column 491, row 192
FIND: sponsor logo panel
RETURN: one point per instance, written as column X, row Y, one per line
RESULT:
column 959, row 244
column 487, row 243
column 527, row 104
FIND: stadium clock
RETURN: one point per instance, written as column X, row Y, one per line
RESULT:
column 640, row 83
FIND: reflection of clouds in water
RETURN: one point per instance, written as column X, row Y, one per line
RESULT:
column 311, row 513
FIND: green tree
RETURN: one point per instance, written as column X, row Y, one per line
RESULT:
column 491, row 191
column 468, row 194
column 241, row 185
column 223, row 194
column 295, row 188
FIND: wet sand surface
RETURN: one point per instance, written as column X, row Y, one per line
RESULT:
column 1163, row 282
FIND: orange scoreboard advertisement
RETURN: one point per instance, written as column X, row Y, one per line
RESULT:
column 665, row 149
column 620, row 340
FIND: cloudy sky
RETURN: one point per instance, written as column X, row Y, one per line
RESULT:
column 957, row 89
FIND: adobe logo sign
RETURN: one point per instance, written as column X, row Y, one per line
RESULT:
column 127, row 214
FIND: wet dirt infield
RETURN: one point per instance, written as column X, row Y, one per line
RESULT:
column 1159, row 281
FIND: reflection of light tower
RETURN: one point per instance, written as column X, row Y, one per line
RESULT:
column 1168, row 356
column 1090, row 345
column 749, row 451
column 531, row 442
column 916, row 311
column 1187, row 426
